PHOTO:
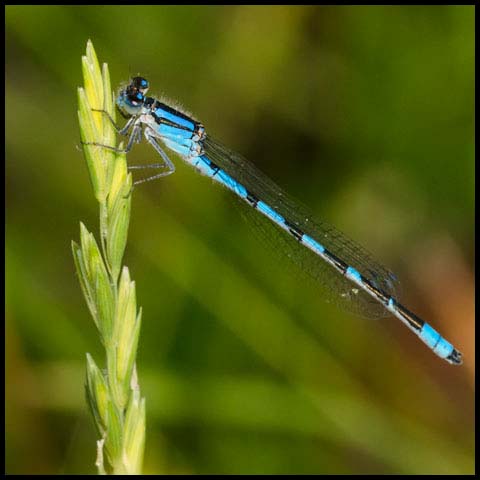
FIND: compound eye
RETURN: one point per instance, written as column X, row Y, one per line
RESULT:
column 140, row 83
column 133, row 95
column 136, row 97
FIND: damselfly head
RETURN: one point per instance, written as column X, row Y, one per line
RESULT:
column 131, row 98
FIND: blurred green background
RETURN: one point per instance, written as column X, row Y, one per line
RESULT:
column 366, row 114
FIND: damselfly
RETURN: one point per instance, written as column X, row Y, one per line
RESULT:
column 355, row 276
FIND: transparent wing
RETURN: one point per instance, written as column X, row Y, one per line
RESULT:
column 335, row 286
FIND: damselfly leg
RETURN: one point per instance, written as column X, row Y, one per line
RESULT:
column 135, row 137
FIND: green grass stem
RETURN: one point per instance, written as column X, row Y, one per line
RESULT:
column 113, row 394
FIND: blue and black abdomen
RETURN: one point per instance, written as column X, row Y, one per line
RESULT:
column 358, row 279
